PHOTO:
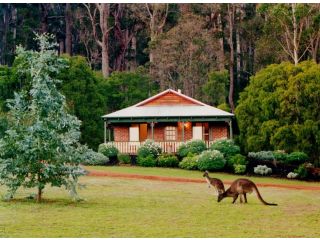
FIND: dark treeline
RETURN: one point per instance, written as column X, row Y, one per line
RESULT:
column 209, row 51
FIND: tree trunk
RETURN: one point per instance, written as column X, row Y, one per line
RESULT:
column 231, row 60
column 104, row 16
column 68, row 19
column 39, row 195
column 133, row 64
column 44, row 9
column 295, row 33
column 238, row 56
column 105, row 59
column 61, row 46
column 221, row 55
column 5, row 34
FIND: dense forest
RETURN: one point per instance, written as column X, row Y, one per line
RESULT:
column 119, row 54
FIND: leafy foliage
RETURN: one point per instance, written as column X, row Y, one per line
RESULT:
column 85, row 98
column 189, row 162
column 124, row 158
column 277, row 109
column 168, row 160
column 226, row 146
column 94, row 158
column 149, row 148
column 147, row 161
column 297, row 158
column 108, row 149
column 211, row 160
column 238, row 163
column 192, row 146
column 217, row 87
column 239, row 168
column 41, row 145
column 301, row 171
column 262, row 170
column 280, row 156
column 262, row 155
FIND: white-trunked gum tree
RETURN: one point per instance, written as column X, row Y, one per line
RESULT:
column 41, row 146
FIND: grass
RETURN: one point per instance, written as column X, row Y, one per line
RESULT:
column 176, row 172
column 116, row 207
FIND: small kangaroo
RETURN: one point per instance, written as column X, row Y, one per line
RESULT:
column 215, row 182
column 241, row 187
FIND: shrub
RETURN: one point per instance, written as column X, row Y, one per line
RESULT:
column 301, row 171
column 147, row 161
column 149, row 148
column 193, row 146
column 239, row 168
column 168, row 160
column 108, row 149
column 292, row 175
column 189, row 162
column 226, row 146
column 280, row 156
column 297, row 158
column 237, row 163
column 94, row 158
column 124, row 158
column 211, row 160
column 237, row 159
column 263, row 155
column 262, row 170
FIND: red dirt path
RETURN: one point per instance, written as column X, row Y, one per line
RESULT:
column 190, row 180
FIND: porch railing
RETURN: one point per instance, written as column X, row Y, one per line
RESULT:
column 167, row 147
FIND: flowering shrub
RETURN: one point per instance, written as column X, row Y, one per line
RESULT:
column 108, row 149
column 149, row 148
column 262, row 170
column 192, row 146
column 292, row 175
column 94, row 158
column 237, row 163
column 263, row 155
column 168, row 160
column 226, row 146
column 211, row 160
column 189, row 162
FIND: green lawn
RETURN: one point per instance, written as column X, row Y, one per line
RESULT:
column 176, row 172
column 116, row 207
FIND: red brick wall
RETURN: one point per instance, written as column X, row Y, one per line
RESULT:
column 219, row 131
column 121, row 133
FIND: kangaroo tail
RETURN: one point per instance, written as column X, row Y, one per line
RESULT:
column 261, row 199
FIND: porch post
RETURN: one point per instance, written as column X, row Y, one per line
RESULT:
column 230, row 129
column 183, row 131
column 109, row 134
column 152, row 134
column 105, row 131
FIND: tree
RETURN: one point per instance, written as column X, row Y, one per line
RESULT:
column 124, row 89
column 101, row 29
column 278, row 109
column 287, row 23
column 216, row 89
column 85, row 98
column 41, row 145
column 184, row 56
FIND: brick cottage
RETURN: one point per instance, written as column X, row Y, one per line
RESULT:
column 169, row 118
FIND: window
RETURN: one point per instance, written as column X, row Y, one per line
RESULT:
column 171, row 133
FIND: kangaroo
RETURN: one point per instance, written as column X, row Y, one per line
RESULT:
column 215, row 182
column 241, row 187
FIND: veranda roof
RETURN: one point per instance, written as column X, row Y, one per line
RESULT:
column 196, row 112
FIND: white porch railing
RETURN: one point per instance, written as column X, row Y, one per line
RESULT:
column 167, row 147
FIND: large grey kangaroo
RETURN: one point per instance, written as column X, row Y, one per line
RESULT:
column 241, row 187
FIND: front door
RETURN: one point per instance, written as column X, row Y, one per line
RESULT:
column 197, row 132
column 143, row 132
